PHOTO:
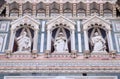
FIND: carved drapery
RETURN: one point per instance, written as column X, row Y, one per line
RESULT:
column 68, row 24
column 15, row 25
column 87, row 24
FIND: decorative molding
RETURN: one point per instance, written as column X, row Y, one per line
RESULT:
column 96, row 19
column 60, row 19
column 61, row 1
column 25, row 20
column 4, row 26
column 54, row 66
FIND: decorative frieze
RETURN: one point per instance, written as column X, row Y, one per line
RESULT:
column 62, row 1
column 54, row 66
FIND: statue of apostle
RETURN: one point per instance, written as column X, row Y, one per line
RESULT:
column 60, row 43
column 24, row 42
column 98, row 43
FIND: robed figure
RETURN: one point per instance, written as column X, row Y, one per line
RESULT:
column 24, row 42
column 98, row 43
column 60, row 43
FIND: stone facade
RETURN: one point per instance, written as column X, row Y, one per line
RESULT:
column 59, row 37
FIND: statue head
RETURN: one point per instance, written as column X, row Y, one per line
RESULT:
column 24, row 33
column 96, row 33
column 60, row 34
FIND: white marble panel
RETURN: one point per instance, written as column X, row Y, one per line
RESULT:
column 3, row 38
column 116, row 26
column 4, row 26
column 79, row 43
column 117, row 40
column 43, row 26
column 42, row 43
column 78, row 26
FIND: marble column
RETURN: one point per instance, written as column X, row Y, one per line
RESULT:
column 35, row 41
column 11, row 43
column 112, row 52
column 73, row 41
column 42, row 37
column 48, row 41
column 110, row 41
column 86, row 41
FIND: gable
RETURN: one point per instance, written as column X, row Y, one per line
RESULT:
column 25, row 20
column 96, row 20
column 60, row 19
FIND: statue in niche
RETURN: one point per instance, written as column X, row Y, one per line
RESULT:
column 60, row 43
column 98, row 43
column 24, row 42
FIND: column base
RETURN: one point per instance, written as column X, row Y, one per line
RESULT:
column 86, row 53
column 8, row 53
column 113, row 53
column 74, row 53
column 34, row 53
column 47, row 53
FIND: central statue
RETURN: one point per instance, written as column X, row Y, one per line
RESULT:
column 60, row 43
column 98, row 43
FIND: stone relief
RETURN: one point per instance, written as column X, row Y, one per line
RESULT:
column 24, row 42
column 60, row 43
column 98, row 43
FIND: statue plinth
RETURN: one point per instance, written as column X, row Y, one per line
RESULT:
column 60, row 54
column 74, row 53
column 113, row 53
column 47, row 53
column 22, row 52
column 86, row 53
column 99, row 52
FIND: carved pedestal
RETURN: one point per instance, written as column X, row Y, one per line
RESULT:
column 34, row 53
column 113, row 53
column 47, row 53
column 86, row 53
column 74, row 53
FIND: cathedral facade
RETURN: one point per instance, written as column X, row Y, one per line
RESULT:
column 59, row 39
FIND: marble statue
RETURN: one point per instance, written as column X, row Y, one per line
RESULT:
column 60, row 43
column 98, row 43
column 24, row 42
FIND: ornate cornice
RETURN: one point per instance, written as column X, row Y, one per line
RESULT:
column 62, row 1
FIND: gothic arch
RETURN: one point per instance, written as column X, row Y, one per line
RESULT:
column 60, row 22
column 27, row 24
column 97, row 22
